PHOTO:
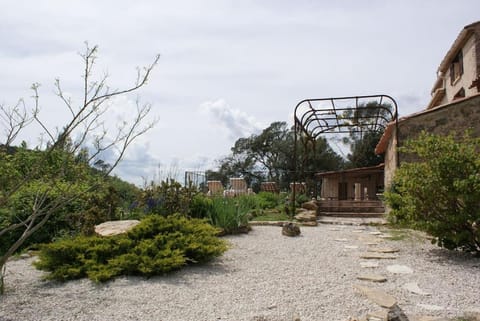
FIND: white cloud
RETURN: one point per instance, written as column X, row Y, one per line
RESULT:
column 265, row 58
column 235, row 122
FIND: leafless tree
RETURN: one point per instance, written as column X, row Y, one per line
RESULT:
column 87, row 122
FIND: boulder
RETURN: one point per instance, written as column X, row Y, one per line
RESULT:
column 311, row 206
column 290, row 229
column 115, row 227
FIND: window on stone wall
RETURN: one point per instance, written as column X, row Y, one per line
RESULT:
column 456, row 68
column 459, row 94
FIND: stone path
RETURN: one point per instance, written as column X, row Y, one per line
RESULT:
column 372, row 273
column 378, row 266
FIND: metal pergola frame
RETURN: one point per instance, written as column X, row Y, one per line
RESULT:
column 321, row 116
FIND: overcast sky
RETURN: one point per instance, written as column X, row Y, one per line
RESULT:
column 227, row 68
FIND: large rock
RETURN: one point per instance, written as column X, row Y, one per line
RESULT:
column 115, row 227
column 290, row 229
column 311, row 206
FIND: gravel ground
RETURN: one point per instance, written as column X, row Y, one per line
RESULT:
column 263, row 277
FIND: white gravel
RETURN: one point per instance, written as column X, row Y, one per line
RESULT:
column 263, row 277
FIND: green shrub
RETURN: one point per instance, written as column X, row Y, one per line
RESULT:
column 200, row 206
column 167, row 198
column 156, row 246
column 230, row 214
column 440, row 193
column 300, row 199
column 20, row 204
column 268, row 200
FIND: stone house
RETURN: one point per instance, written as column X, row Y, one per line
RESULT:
column 455, row 103
column 458, row 75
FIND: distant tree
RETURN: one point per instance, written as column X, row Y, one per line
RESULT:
column 266, row 151
column 53, row 173
column 269, row 156
column 363, row 151
column 366, row 132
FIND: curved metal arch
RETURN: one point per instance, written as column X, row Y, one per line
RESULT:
column 331, row 117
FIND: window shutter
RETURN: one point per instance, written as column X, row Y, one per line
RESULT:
column 460, row 61
column 452, row 73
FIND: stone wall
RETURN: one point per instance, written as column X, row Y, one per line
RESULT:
column 455, row 117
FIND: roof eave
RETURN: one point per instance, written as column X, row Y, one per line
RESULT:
column 462, row 37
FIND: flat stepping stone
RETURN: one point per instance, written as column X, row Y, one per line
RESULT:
column 341, row 240
column 357, row 231
column 375, row 233
column 378, row 256
column 372, row 277
column 385, row 236
column 351, row 247
column 383, row 250
column 399, row 269
column 333, row 229
column 414, row 288
column 377, row 315
column 431, row 307
column 377, row 296
column 369, row 264
column 371, row 243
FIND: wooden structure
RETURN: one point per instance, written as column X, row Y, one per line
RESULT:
column 353, row 184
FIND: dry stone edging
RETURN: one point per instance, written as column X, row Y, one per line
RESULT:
column 378, row 256
column 280, row 223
